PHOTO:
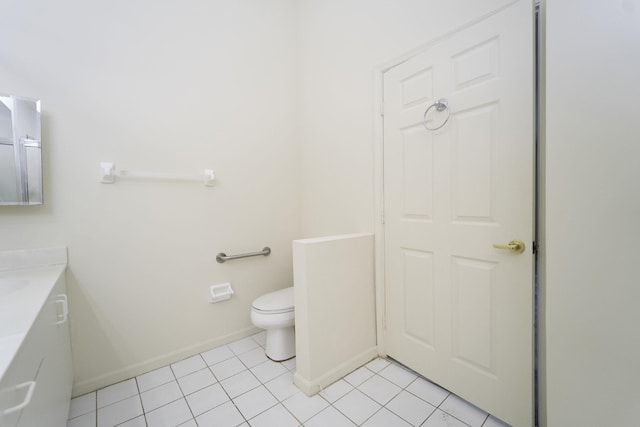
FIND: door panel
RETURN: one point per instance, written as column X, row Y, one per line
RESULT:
column 458, row 310
column 419, row 300
column 472, row 283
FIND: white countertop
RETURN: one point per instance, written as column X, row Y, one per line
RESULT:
column 23, row 293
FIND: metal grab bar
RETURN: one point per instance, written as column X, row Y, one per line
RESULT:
column 222, row 257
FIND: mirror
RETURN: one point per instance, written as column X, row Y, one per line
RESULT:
column 20, row 151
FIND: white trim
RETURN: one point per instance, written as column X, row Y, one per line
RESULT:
column 378, row 134
column 130, row 371
column 317, row 385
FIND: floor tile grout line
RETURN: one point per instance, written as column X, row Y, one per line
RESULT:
column 449, row 393
column 263, row 384
column 175, row 379
column 418, row 397
column 122, row 400
column 96, row 392
column 274, row 396
column 219, row 361
column 418, row 376
column 144, row 416
column 329, row 404
column 345, row 415
column 398, row 394
column 394, row 396
column 182, row 360
column 402, row 389
column 485, row 420
column 117, row 401
column 442, row 410
column 281, row 401
column 184, row 396
column 219, row 381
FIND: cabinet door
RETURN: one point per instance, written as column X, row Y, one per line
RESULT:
column 50, row 404
column 17, row 384
column 60, row 357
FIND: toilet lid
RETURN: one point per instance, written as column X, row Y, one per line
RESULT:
column 278, row 301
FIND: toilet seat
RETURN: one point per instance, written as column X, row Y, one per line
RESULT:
column 281, row 301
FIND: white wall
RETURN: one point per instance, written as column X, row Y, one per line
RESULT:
column 592, row 212
column 343, row 43
column 592, row 170
column 335, row 308
column 168, row 87
column 178, row 87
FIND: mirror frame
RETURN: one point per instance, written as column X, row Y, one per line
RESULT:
column 21, row 174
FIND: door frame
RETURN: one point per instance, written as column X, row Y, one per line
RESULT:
column 379, row 196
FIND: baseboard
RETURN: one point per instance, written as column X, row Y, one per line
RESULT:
column 313, row 386
column 95, row 383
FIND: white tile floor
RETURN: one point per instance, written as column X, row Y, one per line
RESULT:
column 236, row 385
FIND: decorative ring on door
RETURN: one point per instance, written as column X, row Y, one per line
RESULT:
column 441, row 105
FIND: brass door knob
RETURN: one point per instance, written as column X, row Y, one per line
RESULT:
column 515, row 246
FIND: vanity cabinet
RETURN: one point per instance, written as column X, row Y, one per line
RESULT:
column 36, row 388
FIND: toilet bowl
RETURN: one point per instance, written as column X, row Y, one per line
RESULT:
column 275, row 312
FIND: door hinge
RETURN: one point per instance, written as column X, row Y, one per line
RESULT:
column 382, row 217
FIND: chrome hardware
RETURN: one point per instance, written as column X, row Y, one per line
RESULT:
column 222, row 257
column 441, row 105
column 515, row 246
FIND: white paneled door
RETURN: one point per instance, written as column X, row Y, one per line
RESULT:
column 459, row 310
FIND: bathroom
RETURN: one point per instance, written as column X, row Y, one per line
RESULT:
column 278, row 98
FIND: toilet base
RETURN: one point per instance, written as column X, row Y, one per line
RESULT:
column 281, row 343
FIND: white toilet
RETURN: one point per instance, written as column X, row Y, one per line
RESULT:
column 275, row 312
